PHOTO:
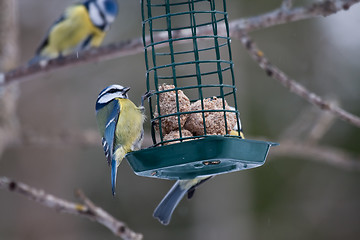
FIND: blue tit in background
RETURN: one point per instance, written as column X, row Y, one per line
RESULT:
column 120, row 123
column 81, row 26
column 235, row 131
column 165, row 209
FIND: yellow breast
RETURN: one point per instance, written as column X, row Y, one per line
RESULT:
column 130, row 124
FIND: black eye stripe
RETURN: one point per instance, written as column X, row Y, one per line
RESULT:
column 114, row 90
column 110, row 91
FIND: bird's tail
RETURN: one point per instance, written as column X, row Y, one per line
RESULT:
column 167, row 206
column 116, row 160
column 113, row 175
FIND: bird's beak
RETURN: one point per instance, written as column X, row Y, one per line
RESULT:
column 126, row 89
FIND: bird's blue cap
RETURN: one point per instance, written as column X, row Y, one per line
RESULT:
column 111, row 7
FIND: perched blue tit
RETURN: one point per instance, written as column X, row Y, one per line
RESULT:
column 81, row 26
column 120, row 123
column 165, row 209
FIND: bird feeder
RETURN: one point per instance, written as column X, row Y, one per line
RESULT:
column 195, row 124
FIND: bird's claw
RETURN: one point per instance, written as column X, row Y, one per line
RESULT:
column 146, row 96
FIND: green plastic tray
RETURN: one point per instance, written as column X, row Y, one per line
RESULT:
column 212, row 155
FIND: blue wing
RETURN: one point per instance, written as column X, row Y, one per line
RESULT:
column 109, row 134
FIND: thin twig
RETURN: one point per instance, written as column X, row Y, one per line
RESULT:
column 291, row 84
column 287, row 147
column 279, row 16
column 329, row 155
column 88, row 209
column 134, row 46
column 300, row 127
column 322, row 125
column 65, row 137
column 310, row 126
column 111, row 51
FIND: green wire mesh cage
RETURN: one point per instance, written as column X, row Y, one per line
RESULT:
column 196, row 129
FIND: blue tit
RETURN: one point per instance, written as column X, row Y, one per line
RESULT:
column 82, row 25
column 120, row 123
column 168, row 204
column 235, row 131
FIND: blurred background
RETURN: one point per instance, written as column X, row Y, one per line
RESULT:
column 290, row 197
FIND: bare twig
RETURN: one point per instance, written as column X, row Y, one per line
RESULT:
column 88, row 209
column 279, row 16
column 324, row 122
column 329, row 155
column 291, row 84
column 82, row 138
column 288, row 147
column 310, row 126
column 300, row 127
column 135, row 45
column 104, row 53
column 62, row 138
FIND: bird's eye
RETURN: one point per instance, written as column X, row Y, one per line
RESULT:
column 114, row 90
column 111, row 7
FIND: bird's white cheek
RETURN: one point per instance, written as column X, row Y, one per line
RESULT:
column 95, row 15
column 108, row 98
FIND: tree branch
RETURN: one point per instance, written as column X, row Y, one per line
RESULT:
column 291, row 84
column 292, row 147
column 65, row 137
column 88, row 209
column 134, row 46
column 322, row 154
column 281, row 16
column 309, row 127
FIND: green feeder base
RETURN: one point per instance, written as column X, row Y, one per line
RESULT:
column 211, row 155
